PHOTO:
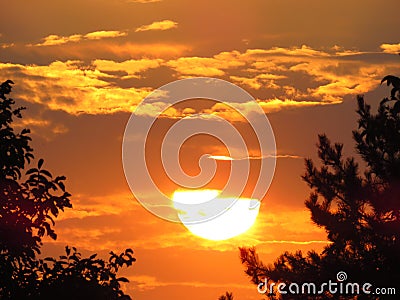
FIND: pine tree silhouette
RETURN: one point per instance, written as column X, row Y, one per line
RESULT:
column 359, row 212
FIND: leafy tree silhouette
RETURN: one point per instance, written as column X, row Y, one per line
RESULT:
column 360, row 213
column 27, row 212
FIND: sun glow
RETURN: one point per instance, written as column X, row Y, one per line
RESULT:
column 237, row 219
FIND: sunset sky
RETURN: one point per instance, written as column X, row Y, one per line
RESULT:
column 82, row 67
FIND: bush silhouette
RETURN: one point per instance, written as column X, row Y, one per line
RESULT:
column 226, row 296
column 29, row 204
column 359, row 212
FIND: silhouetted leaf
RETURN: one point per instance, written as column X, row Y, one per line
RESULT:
column 40, row 163
column 47, row 173
column 49, row 259
column 31, row 171
column 62, row 186
column 123, row 279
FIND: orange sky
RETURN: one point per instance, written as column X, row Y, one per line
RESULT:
column 82, row 67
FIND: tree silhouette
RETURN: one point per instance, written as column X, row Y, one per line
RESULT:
column 73, row 277
column 227, row 296
column 359, row 212
column 28, row 206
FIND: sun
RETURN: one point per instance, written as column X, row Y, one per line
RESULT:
column 232, row 222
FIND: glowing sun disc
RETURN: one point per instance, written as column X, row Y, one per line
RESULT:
column 239, row 218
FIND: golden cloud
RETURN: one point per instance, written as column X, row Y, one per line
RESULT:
column 326, row 77
column 159, row 25
column 330, row 76
column 239, row 111
column 275, row 105
column 160, row 50
column 304, row 50
column 131, row 67
column 6, row 45
column 102, row 34
column 265, row 80
column 359, row 77
column 73, row 88
column 33, row 122
column 203, row 66
column 54, row 40
column 196, row 66
column 391, row 48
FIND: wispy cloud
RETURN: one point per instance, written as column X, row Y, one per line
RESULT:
column 44, row 128
column 221, row 157
column 229, row 158
column 296, row 242
column 54, row 40
column 94, row 206
column 145, row 282
column 142, row 1
column 75, row 226
column 159, row 25
column 6, row 45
